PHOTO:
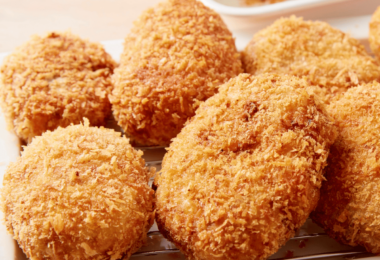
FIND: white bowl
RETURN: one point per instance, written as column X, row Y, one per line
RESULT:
column 237, row 8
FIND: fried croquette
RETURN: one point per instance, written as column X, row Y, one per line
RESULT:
column 245, row 172
column 176, row 56
column 78, row 193
column 54, row 81
column 349, row 208
column 374, row 33
column 330, row 60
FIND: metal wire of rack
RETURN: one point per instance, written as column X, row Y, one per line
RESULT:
column 310, row 242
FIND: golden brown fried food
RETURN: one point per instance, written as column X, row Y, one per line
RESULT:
column 374, row 33
column 54, row 81
column 330, row 60
column 245, row 172
column 176, row 55
column 78, row 193
column 349, row 208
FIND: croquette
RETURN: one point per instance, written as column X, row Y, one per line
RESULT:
column 245, row 171
column 176, row 56
column 349, row 208
column 374, row 33
column 78, row 193
column 54, row 81
column 330, row 60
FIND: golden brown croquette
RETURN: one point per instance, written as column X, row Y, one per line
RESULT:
column 330, row 60
column 176, row 56
column 374, row 33
column 78, row 193
column 54, row 81
column 349, row 208
column 245, row 172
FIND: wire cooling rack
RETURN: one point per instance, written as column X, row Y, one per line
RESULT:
column 310, row 242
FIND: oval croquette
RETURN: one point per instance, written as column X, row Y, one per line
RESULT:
column 78, row 193
column 245, row 172
column 177, row 55
column 374, row 33
column 330, row 60
column 349, row 208
column 54, row 81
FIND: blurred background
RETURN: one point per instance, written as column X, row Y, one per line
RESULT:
column 96, row 20
column 101, row 20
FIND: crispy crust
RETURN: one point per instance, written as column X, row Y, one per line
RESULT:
column 54, row 81
column 245, row 172
column 349, row 206
column 374, row 33
column 330, row 60
column 176, row 55
column 78, row 193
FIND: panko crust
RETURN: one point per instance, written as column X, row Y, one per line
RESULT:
column 349, row 206
column 54, row 81
column 177, row 55
column 78, row 193
column 245, row 172
column 374, row 33
column 330, row 60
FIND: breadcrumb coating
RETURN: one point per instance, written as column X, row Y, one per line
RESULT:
column 330, row 60
column 245, row 172
column 78, row 193
column 374, row 33
column 349, row 206
column 54, row 81
column 177, row 55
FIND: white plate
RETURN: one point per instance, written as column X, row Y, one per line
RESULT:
column 310, row 240
column 236, row 7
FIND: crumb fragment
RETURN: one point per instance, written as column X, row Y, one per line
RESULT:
column 302, row 243
column 289, row 254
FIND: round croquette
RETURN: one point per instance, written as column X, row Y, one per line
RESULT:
column 245, row 172
column 54, row 81
column 78, row 193
column 176, row 56
column 330, row 60
column 374, row 33
column 349, row 208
